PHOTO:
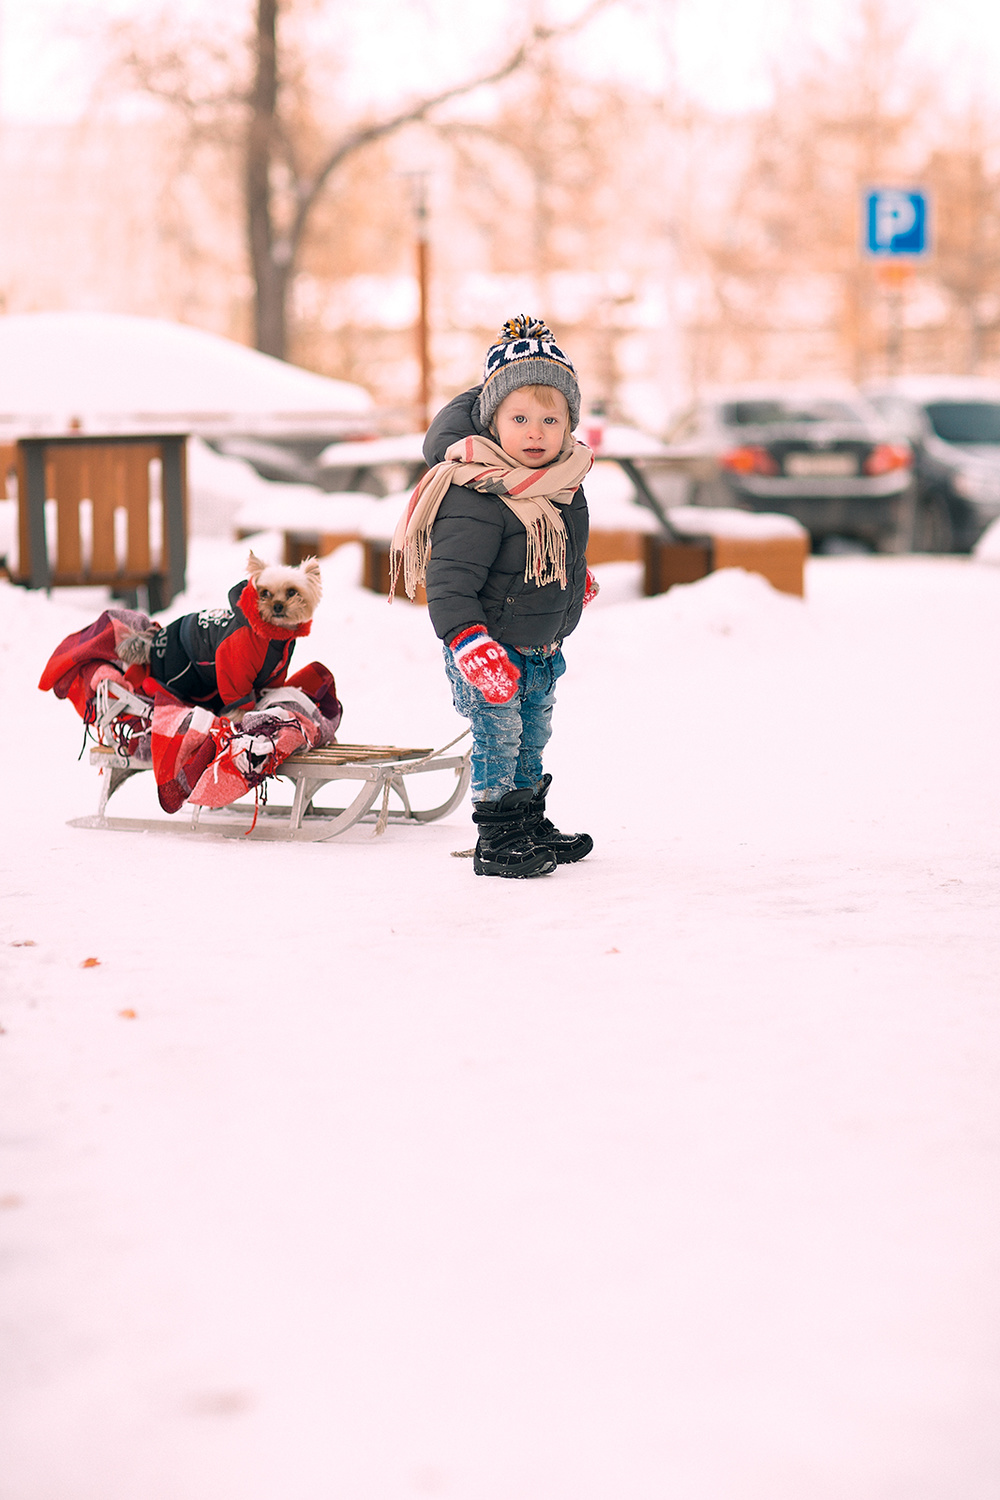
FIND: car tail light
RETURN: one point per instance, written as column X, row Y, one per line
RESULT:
column 887, row 456
column 750, row 460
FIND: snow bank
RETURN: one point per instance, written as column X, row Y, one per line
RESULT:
column 228, row 493
column 987, row 549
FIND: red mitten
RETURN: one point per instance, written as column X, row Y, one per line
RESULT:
column 484, row 663
column 591, row 589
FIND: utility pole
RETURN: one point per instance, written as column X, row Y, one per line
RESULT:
column 894, row 277
column 418, row 188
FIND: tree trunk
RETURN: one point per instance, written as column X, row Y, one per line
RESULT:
column 270, row 260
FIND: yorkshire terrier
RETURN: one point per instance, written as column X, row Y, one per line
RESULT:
column 286, row 596
column 223, row 659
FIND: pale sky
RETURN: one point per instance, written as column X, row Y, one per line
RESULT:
column 722, row 50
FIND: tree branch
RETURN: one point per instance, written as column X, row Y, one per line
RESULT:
column 308, row 190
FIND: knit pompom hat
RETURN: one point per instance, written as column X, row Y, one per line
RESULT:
column 525, row 353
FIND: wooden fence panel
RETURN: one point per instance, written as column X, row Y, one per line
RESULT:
column 135, row 485
column 67, row 481
column 105, row 498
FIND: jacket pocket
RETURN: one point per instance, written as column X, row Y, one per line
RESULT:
column 503, row 604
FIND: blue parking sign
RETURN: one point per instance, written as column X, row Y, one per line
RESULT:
column 897, row 222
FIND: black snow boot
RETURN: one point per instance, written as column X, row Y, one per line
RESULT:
column 504, row 846
column 567, row 847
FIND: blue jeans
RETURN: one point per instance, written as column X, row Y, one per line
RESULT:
column 508, row 738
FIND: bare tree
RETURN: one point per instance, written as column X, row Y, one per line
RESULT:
column 287, row 164
column 965, row 192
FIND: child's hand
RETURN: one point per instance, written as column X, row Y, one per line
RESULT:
column 484, row 664
column 591, row 589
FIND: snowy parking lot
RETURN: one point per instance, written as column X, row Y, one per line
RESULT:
column 345, row 1175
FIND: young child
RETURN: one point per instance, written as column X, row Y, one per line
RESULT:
column 498, row 530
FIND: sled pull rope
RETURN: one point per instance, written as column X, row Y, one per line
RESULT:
column 382, row 822
column 435, row 753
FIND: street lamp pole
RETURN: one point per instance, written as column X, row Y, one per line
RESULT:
column 419, row 188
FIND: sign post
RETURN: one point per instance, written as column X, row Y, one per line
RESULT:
column 896, row 236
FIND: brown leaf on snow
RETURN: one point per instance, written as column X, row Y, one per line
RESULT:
column 129, row 1014
column 91, row 963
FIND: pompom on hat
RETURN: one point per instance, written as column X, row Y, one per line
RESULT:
column 525, row 353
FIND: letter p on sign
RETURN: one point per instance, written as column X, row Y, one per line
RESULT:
column 897, row 222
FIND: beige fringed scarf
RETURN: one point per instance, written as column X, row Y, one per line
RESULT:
column 532, row 494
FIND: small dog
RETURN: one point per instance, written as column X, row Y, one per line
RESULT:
column 223, row 659
column 286, row 596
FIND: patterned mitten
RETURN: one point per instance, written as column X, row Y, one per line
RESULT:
column 484, row 663
column 591, row 589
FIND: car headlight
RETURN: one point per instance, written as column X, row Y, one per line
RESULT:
column 981, row 488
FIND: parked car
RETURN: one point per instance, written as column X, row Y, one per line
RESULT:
column 953, row 426
column 821, row 454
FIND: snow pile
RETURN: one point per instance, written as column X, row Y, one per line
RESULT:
column 227, row 493
column 109, row 373
column 987, row 549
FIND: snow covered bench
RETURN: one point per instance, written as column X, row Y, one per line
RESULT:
column 682, row 543
column 707, row 539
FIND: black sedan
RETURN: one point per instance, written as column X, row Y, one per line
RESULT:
column 827, row 458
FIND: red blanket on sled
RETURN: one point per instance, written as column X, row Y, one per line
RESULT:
column 196, row 757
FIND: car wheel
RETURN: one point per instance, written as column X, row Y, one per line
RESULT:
column 932, row 528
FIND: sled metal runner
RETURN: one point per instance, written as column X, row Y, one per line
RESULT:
column 381, row 770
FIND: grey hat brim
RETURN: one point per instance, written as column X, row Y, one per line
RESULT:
column 534, row 370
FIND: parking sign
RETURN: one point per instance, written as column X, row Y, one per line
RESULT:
column 897, row 222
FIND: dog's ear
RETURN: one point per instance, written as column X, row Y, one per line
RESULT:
column 254, row 567
column 310, row 567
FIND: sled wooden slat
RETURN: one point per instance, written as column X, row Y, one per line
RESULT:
column 339, row 755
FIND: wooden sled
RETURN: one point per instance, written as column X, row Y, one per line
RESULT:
column 382, row 770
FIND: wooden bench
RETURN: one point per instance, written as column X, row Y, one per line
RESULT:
column 103, row 495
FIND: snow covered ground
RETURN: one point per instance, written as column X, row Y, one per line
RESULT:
column 672, row 1176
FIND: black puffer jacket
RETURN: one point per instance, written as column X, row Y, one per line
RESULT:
column 479, row 551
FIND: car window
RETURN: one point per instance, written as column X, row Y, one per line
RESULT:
column 966, row 421
column 770, row 413
column 899, row 413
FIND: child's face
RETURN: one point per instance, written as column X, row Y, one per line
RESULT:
column 529, row 432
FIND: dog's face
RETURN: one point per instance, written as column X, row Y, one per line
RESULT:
column 286, row 596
